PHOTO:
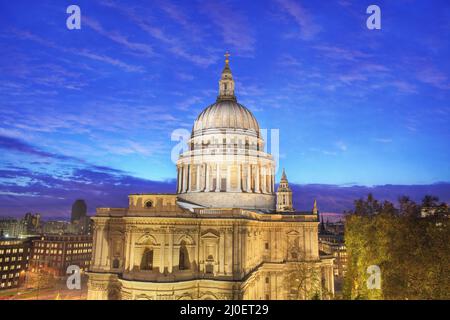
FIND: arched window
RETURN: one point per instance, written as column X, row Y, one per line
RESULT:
column 147, row 260
column 149, row 204
column 184, row 263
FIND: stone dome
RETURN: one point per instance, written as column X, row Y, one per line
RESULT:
column 226, row 114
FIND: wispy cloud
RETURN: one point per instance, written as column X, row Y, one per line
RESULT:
column 119, row 38
column 234, row 27
column 175, row 45
column 304, row 20
column 26, row 35
column 434, row 77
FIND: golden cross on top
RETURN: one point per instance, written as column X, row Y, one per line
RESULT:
column 227, row 57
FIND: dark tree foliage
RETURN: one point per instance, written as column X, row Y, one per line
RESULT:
column 413, row 253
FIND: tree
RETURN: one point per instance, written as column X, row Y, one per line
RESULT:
column 430, row 201
column 304, row 279
column 413, row 253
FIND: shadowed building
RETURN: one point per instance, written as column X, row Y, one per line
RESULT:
column 221, row 235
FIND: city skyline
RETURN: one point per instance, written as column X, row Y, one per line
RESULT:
column 353, row 106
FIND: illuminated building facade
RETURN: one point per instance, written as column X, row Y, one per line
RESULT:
column 14, row 258
column 54, row 253
column 221, row 235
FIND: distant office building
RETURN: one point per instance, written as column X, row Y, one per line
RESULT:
column 14, row 259
column 57, row 227
column 54, row 253
column 79, row 210
column 32, row 223
column 11, row 227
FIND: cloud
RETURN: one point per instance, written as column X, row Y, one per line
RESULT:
column 434, row 77
column 383, row 140
column 53, row 195
column 341, row 145
column 308, row 28
column 26, row 35
column 117, row 37
column 13, row 144
column 338, row 53
column 173, row 44
column 234, row 26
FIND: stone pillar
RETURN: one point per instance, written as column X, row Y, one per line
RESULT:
column 131, row 263
column 97, row 246
column 257, row 189
column 249, row 177
column 228, row 178
column 162, row 253
column 184, row 178
column 217, row 177
column 239, row 174
column 264, row 176
column 178, row 179
column 273, row 180
column 189, row 178
column 221, row 253
column 170, row 263
column 207, row 187
column 197, row 180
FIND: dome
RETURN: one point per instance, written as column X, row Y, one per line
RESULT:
column 226, row 114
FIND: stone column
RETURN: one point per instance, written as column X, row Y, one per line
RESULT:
column 249, row 177
column 197, row 181
column 257, row 189
column 184, row 178
column 332, row 280
column 162, row 253
column 228, row 178
column 189, row 178
column 207, row 187
column 170, row 264
column 239, row 174
column 264, row 182
column 221, row 253
column 217, row 177
column 273, row 181
column 97, row 246
column 131, row 263
column 178, row 179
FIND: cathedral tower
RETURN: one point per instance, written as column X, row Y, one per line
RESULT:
column 284, row 195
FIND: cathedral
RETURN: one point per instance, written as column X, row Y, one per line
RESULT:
column 225, row 234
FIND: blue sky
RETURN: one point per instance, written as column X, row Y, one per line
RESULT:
column 353, row 106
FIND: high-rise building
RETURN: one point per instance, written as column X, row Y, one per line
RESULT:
column 220, row 236
column 79, row 210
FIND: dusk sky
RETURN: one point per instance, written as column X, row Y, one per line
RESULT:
column 83, row 112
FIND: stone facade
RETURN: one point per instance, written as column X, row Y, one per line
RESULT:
column 220, row 236
column 163, row 251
